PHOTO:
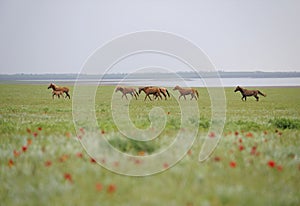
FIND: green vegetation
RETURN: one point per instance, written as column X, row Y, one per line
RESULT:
column 42, row 162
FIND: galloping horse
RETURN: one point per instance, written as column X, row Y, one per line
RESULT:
column 187, row 91
column 62, row 89
column 127, row 90
column 150, row 90
column 246, row 93
column 57, row 93
column 164, row 91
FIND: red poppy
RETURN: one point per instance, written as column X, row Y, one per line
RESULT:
column 79, row 154
column 63, row 158
column 102, row 131
column 249, row 134
column 280, row 133
column 236, row 133
column 24, row 148
column 35, row 134
column 279, row 168
column 28, row 130
column 212, row 135
column 16, row 153
column 68, row 177
column 217, row 159
column 29, row 141
column 10, row 163
column 166, row 165
column 48, row 163
column 111, row 188
column 240, row 140
column 68, row 134
column 99, row 187
column 82, row 130
column 241, row 147
column 40, row 129
column 190, row 152
column 92, row 160
column 271, row 163
column 232, row 164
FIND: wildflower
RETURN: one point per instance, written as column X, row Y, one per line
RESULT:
column 82, row 130
column 24, row 148
column 35, row 134
column 68, row 177
column 63, row 158
column 271, row 164
column 141, row 153
column 28, row 130
column 249, row 134
column 92, row 160
column 232, row 164
column 111, row 188
column 29, row 141
column 265, row 132
column 279, row 168
column 241, row 147
column 279, row 133
column 48, row 163
column 102, row 131
column 99, row 187
column 166, row 165
column 212, row 135
column 68, row 134
column 236, row 133
column 189, row 152
column 10, row 163
column 40, row 128
column 79, row 155
column 240, row 140
column 217, row 159
column 16, row 153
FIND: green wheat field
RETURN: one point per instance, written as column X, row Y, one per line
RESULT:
column 257, row 161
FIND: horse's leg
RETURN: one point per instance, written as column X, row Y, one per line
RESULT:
column 256, row 97
column 184, row 97
column 53, row 96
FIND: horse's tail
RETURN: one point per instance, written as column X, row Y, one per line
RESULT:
column 197, row 93
column 259, row 92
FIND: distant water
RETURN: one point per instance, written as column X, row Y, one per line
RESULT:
column 191, row 82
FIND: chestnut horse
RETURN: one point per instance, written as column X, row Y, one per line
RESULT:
column 57, row 88
column 246, row 93
column 127, row 90
column 150, row 90
column 164, row 92
column 187, row 91
column 57, row 93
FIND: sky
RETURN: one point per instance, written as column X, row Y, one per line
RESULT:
column 39, row 36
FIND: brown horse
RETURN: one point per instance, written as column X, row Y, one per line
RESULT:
column 187, row 91
column 127, row 90
column 246, row 93
column 150, row 90
column 164, row 92
column 57, row 88
column 57, row 93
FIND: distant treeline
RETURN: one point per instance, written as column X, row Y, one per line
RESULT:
column 14, row 77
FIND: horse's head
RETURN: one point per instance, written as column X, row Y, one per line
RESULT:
column 176, row 87
column 141, row 89
column 118, row 89
column 51, row 86
column 238, row 88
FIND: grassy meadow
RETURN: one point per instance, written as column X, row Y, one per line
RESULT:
column 257, row 161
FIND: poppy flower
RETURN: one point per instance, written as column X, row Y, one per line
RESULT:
column 217, row 159
column 35, row 134
column 63, row 158
column 232, row 164
column 212, row 135
column 241, row 147
column 24, row 148
column 189, row 152
column 249, row 134
column 265, row 132
column 68, row 177
column 240, row 140
column 165, row 165
column 79, row 155
column 102, row 131
column 16, row 153
column 40, row 128
column 111, row 188
column 99, row 187
column 28, row 130
column 279, row 168
column 92, row 160
column 10, row 163
column 48, row 163
column 29, row 141
column 271, row 164
column 68, row 134
column 236, row 133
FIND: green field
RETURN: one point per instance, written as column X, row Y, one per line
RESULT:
column 257, row 161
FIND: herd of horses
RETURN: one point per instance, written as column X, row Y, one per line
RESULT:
column 156, row 92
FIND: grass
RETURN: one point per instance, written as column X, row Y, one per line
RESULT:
column 42, row 162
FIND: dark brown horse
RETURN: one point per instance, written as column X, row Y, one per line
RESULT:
column 127, row 90
column 150, row 90
column 187, row 91
column 57, row 88
column 57, row 93
column 246, row 93
column 164, row 92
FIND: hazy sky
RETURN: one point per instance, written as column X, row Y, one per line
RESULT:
column 58, row 36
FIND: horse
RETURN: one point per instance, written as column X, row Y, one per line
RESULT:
column 187, row 91
column 57, row 93
column 150, row 90
column 57, row 88
column 127, row 90
column 246, row 93
column 164, row 92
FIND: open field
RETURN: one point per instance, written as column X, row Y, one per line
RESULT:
column 257, row 162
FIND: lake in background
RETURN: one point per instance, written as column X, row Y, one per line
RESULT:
column 191, row 82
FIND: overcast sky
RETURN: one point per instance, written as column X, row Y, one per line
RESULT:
column 58, row 36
